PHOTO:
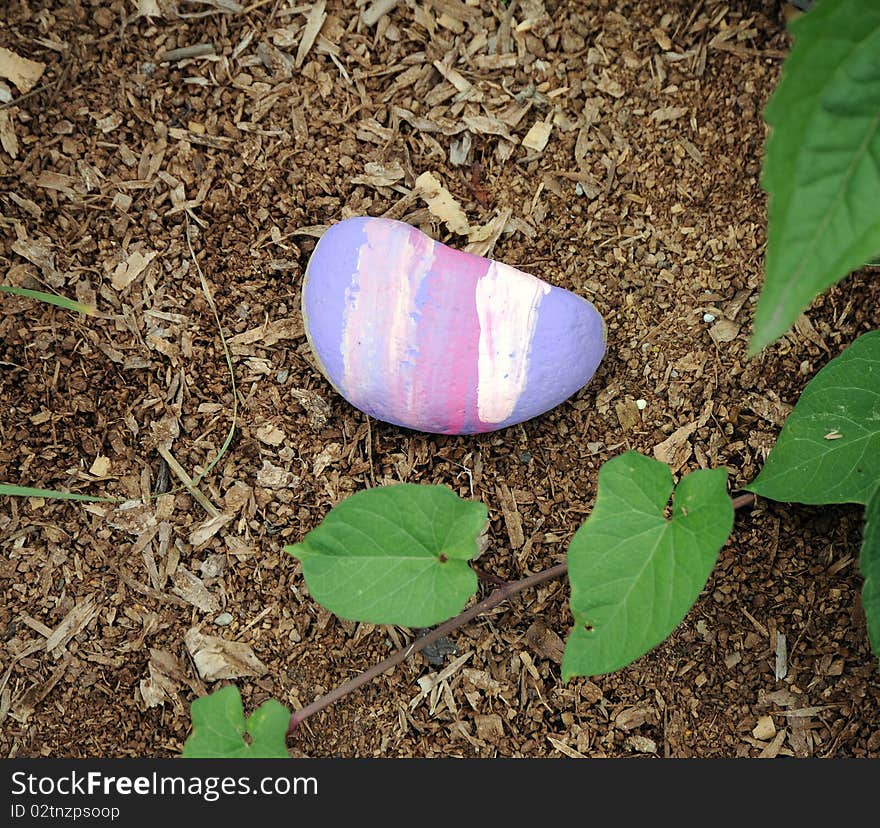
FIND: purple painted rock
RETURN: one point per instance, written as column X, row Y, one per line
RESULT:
column 424, row 336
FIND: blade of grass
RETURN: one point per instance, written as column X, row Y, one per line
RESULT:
column 208, row 295
column 189, row 484
column 27, row 491
column 51, row 298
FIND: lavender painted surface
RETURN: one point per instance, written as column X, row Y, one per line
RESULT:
column 420, row 335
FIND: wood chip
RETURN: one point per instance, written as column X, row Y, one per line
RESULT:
column 79, row 617
column 22, row 72
column 165, row 677
column 483, row 238
column 442, row 203
column 565, row 749
column 781, row 664
column 676, row 449
column 545, row 642
column 772, row 750
column 537, row 137
column 314, row 21
column 193, row 590
column 764, row 729
column 210, row 527
column 130, row 268
column 512, row 518
column 489, row 727
column 668, row 113
column 641, row 744
column 8, row 140
column 769, row 407
column 371, row 14
column 724, row 330
column 632, row 717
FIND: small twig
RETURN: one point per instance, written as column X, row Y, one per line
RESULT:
column 499, row 595
column 419, row 644
column 197, row 50
column 744, row 500
column 489, row 577
column 38, row 89
column 188, row 482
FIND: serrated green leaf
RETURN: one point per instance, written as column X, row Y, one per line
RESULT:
column 822, row 161
column 829, row 448
column 869, row 566
column 221, row 732
column 394, row 555
column 634, row 572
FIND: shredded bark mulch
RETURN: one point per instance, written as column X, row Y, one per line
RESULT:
column 158, row 156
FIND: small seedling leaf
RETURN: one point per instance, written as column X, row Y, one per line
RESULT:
column 829, row 448
column 221, row 732
column 394, row 555
column 634, row 572
column 822, row 162
column 869, row 566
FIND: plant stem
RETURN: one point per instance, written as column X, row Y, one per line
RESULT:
column 495, row 598
column 419, row 644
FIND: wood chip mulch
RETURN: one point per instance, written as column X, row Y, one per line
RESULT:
column 150, row 150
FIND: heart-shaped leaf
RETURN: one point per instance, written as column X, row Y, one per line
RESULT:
column 635, row 572
column 221, row 732
column 394, row 555
column 829, row 448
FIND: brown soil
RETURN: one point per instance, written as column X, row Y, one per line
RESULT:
column 655, row 109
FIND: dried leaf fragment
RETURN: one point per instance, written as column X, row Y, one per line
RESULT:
column 216, row 658
column 193, row 590
column 210, row 527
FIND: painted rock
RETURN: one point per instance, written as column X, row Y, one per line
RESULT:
column 424, row 336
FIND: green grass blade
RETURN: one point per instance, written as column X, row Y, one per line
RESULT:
column 51, row 298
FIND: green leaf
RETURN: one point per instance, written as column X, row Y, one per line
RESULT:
column 822, row 161
column 829, row 448
column 221, row 732
column 634, row 572
column 869, row 566
column 394, row 555
column 50, row 298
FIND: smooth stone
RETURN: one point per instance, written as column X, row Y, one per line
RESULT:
column 420, row 335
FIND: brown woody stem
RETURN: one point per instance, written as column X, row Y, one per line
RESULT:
column 499, row 595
